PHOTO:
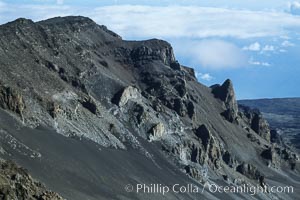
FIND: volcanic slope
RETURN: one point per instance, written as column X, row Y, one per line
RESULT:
column 88, row 113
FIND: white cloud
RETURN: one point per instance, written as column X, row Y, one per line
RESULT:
column 265, row 64
column 294, row 7
column 205, row 76
column 252, row 47
column 287, row 43
column 282, row 50
column 285, row 37
column 258, row 47
column 214, row 54
column 134, row 21
column 268, row 48
column 253, row 62
column 196, row 22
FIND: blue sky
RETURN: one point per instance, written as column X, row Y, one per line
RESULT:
column 254, row 43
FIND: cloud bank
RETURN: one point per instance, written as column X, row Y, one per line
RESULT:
column 139, row 21
column 195, row 22
column 212, row 53
column 253, row 47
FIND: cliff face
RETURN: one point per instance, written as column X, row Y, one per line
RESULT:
column 84, row 82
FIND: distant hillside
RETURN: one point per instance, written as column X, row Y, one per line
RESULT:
column 282, row 114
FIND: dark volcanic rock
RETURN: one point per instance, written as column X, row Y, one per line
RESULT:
column 194, row 172
column 225, row 92
column 54, row 109
column 249, row 171
column 11, row 99
column 153, row 50
column 203, row 133
column 276, row 154
column 90, row 104
column 283, row 115
column 255, row 120
column 15, row 183
column 175, row 65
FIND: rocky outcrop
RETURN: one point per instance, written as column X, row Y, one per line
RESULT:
column 228, row 159
column 157, row 132
column 269, row 154
column 191, row 110
column 203, row 134
column 54, row 109
column 154, row 50
column 90, row 104
column 190, row 72
column 140, row 114
column 189, row 152
column 11, row 99
column 126, row 94
column 15, row 183
column 255, row 121
column 275, row 154
column 206, row 150
column 225, row 92
column 249, row 171
column 196, row 173
column 275, row 137
column 175, row 65
column 211, row 147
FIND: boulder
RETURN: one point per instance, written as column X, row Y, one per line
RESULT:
column 126, row 94
column 157, row 131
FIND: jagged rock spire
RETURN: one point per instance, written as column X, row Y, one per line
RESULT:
column 226, row 93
